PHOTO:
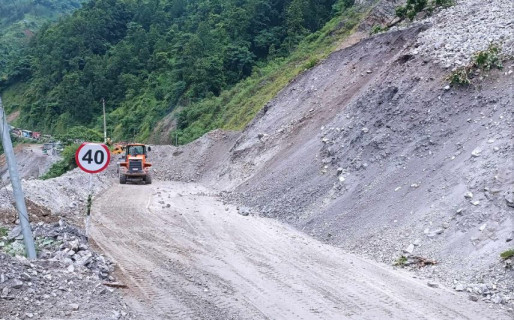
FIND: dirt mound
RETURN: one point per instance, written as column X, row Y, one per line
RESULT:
column 32, row 163
column 203, row 159
column 65, row 282
column 36, row 213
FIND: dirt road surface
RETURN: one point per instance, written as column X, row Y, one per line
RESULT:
column 186, row 255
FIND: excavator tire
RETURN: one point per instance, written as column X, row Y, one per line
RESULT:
column 123, row 179
column 148, row 178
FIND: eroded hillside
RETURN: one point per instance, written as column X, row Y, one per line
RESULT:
column 374, row 151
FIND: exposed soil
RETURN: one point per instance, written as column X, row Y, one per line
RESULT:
column 186, row 255
column 32, row 163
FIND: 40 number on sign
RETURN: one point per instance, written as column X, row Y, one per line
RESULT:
column 92, row 157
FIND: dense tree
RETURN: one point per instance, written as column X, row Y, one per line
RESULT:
column 145, row 57
column 18, row 21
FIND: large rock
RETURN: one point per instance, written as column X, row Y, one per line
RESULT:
column 15, row 234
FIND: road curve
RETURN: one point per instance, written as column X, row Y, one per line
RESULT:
column 186, row 255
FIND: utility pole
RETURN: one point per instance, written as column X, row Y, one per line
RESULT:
column 105, row 124
column 16, row 186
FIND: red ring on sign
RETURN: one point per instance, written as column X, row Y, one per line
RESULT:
column 89, row 171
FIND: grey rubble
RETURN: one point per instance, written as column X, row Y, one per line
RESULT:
column 376, row 161
column 64, row 282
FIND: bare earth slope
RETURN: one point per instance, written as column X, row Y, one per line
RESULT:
column 186, row 255
column 32, row 163
column 373, row 152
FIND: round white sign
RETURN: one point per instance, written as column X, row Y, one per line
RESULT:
column 93, row 157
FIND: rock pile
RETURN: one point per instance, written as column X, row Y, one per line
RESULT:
column 65, row 281
column 466, row 28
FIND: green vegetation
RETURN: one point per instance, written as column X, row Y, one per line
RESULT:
column 66, row 164
column 3, row 231
column 214, row 63
column 79, row 133
column 15, row 141
column 401, row 261
column 413, row 7
column 378, row 29
column 507, row 254
column 235, row 107
column 489, row 58
column 460, row 77
column 18, row 21
column 17, row 248
column 46, row 243
column 484, row 60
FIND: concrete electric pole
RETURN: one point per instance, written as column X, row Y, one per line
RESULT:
column 105, row 123
column 16, row 185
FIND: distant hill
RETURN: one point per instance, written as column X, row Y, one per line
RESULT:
column 19, row 20
column 210, row 63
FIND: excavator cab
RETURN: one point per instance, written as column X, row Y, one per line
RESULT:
column 134, row 165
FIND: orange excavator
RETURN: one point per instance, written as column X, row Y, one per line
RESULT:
column 135, row 166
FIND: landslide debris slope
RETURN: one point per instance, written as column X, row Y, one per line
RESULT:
column 32, row 163
column 375, row 152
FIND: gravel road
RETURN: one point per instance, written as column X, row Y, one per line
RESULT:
column 186, row 255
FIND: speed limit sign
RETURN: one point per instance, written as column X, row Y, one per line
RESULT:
column 92, row 157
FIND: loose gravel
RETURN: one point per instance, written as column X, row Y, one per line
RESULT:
column 470, row 26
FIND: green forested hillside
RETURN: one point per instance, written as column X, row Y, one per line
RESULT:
column 208, row 58
column 19, row 19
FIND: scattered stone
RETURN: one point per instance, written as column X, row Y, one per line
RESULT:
column 409, row 249
column 461, row 44
column 476, row 153
column 497, row 299
column 244, row 211
column 435, row 232
column 468, row 195
column 460, row 287
column 365, row 130
column 15, row 233
column 432, row 284
column 473, row 298
column 509, row 199
column 74, row 306
column 17, row 284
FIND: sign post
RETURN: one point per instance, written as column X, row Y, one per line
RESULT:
column 92, row 158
